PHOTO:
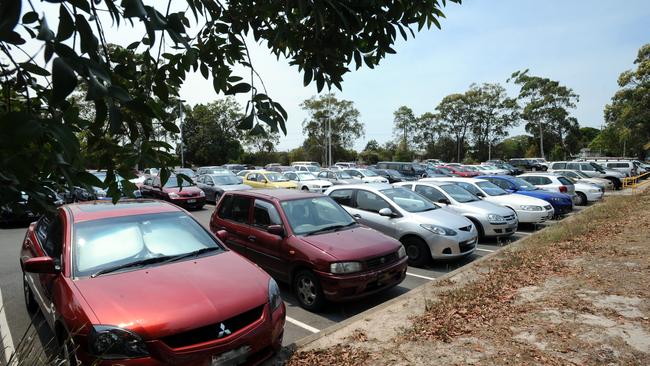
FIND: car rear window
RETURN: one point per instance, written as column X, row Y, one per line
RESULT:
column 565, row 181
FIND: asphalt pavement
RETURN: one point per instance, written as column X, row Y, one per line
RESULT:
column 16, row 326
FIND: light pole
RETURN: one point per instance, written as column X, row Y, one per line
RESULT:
column 180, row 113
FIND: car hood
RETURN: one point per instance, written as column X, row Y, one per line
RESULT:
column 440, row 217
column 186, row 191
column 358, row 243
column 482, row 208
column 545, row 195
column 234, row 187
column 515, row 199
column 158, row 301
column 351, row 181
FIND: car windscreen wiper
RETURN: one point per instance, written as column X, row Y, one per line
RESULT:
column 330, row 228
column 192, row 254
column 141, row 262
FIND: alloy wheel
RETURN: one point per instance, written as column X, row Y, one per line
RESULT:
column 306, row 291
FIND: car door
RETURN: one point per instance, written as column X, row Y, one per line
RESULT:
column 264, row 248
column 585, row 168
column 234, row 212
column 367, row 205
column 293, row 177
column 504, row 184
column 251, row 180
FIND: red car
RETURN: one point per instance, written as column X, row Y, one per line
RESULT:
column 143, row 283
column 188, row 196
column 310, row 242
column 459, row 171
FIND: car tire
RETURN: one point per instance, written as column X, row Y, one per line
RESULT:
column 417, row 251
column 305, row 189
column 582, row 199
column 479, row 227
column 67, row 350
column 534, row 169
column 30, row 301
column 308, row 291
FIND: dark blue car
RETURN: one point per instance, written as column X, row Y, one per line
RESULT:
column 561, row 202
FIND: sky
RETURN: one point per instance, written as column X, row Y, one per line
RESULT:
column 584, row 44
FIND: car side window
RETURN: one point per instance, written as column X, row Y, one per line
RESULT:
column 331, row 175
column 429, row 192
column 564, row 181
column 252, row 177
column 235, row 208
column 41, row 229
column 559, row 166
column 369, row 201
column 322, row 175
column 53, row 245
column 544, row 180
column 586, row 167
column 291, row 176
column 531, row 180
column 342, row 197
column 265, row 214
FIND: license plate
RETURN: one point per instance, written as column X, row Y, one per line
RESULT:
column 191, row 201
column 383, row 278
column 237, row 356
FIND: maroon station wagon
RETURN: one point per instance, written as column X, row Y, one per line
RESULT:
column 310, row 242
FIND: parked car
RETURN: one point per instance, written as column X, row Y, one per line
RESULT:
column 411, row 171
column 550, row 182
column 100, row 193
column 527, row 164
column 281, row 168
column 366, row 175
column 306, row 181
column 22, row 211
column 235, row 168
column 459, row 171
column 309, row 242
column 578, row 176
column 345, row 165
column 562, row 203
column 393, row 176
column 107, row 281
column 266, row 179
column 541, row 162
column 337, row 177
column 306, row 168
column 426, row 231
column 214, row 185
column 626, row 167
column 490, row 220
column 592, row 169
column 529, row 210
column 186, row 171
column 187, row 196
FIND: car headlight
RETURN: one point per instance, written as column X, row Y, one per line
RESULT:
column 275, row 300
column 439, row 230
column 531, row 208
column 494, row 218
column 401, row 253
column 201, row 194
column 173, row 195
column 594, row 190
column 345, row 267
column 109, row 342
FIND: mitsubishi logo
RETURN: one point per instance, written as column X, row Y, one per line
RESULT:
column 382, row 260
column 223, row 331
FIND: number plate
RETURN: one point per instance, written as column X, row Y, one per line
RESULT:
column 235, row 357
column 191, row 201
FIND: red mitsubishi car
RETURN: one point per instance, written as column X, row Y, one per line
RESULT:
column 459, row 171
column 188, row 196
column 309, row 241
column 143, row 283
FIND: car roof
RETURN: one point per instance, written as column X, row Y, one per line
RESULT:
column 372, row 186
column 96, row 210
column 278, row 194
column 453, row 179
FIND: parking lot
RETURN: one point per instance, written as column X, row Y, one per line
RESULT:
column 15, row 321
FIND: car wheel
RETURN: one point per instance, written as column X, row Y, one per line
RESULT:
column 30, row 302
column 417, row 251
column 479, row 228
column 582, row 199
column 307, row 289
column 67, row 351
column 534, row 169
column 217, row 196
column 305, row 188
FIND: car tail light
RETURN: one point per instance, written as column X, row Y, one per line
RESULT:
column 563, row 189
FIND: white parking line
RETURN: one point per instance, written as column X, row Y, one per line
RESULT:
column 5, row 334
column 420, row 276
column 302, row 325
column 522, row 233
column 486, row 250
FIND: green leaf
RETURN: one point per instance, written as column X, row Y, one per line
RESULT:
column 134, row 9
column 9, row 16
column 239, row 88
column 64, row 80
column 34, row 69
column 44, row 32
column 88, row 42
column 81, row 4
column 30, row 17
column 247, row 122
column 308, row 76
column 115, row 119
column 66, row 25
column 119, row 93
column 204, row 71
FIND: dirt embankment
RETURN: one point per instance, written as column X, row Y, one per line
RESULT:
column 575, row 293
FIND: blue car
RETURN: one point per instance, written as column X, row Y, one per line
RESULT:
column 561, row 202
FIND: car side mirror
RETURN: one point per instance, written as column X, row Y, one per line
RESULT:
column 275, row 230
column 386, row 212
column 263, row 181
column 444, row 201
column 210, row 183
column 41, row 265
column 222, row 235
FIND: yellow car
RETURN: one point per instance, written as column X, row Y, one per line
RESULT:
column 266, row 179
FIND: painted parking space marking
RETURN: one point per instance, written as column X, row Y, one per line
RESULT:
column 5, row 334
column 419, row 276
column 486, row 250
column 522, row 233
column 302, row 325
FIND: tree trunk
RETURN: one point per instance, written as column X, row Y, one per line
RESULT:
column 541, row 140
column 458, row 144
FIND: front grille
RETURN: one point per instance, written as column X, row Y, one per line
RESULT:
column 509, row 217
column 381, row 261
column 466, row 228
column 467, row 245
column 547, row 207
column 187, row 194
column 214, row 331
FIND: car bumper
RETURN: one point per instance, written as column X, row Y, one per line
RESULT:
column 445, row 247
column 498, row 230
column 535, row 217
column 594, row 196
column 562, row 209
column 189, row 202
column 263, row 338
column 354, row 286
column 318, row 190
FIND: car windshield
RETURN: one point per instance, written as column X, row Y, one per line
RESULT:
column 393, row 173
column 445, row 170
column 314, row 215
column 225, row 180
column 173, row 182
column 459, row 194
column 491, row 189
column 102, row 244
column 189, row 172
column 313, row 168
column 276, row 177
column 368, row 173
column 343, row 175
column 523, row 185
column 581, row 174
column 409, row 200
column 305, row 176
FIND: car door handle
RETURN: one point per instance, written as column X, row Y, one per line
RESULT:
column 252, row 238
column 356, row 216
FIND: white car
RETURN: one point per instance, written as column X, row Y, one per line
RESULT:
column 529, row 210
column 366, row 175
column 306, row 168
column 577, row 175
column 308, row 182
column 550, row 182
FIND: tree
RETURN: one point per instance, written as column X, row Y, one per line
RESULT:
column 546, row 110
column 456, row 111
column 324, row 111
column 428, row 133
column 514, row 147
column 404, row 126
column 372, row 145
column 629, row 110
column 323, row 39
column 210, row 134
